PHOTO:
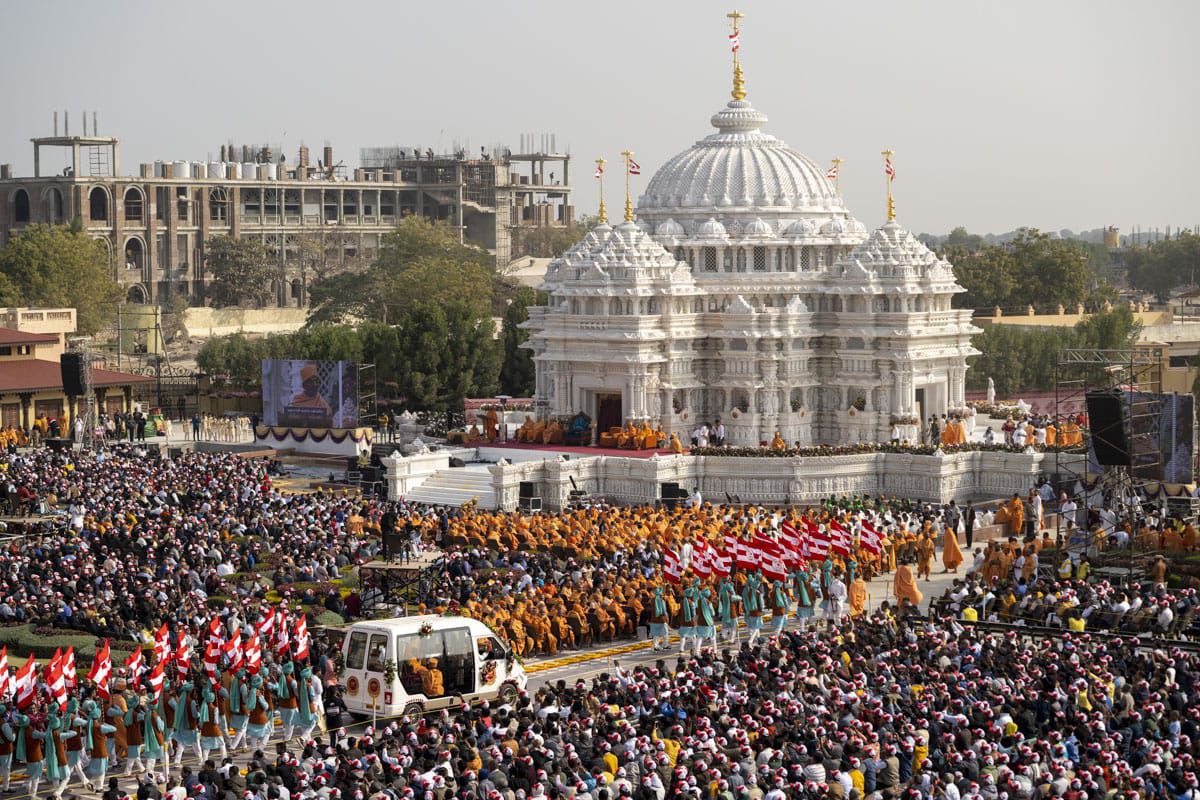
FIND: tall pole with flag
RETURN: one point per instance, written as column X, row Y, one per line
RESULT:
column 631, row 168
column 889, row 170
column 735, row 42
column 835, row 174
column 600, row 162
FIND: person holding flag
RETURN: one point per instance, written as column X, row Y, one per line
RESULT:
column 98, row 732
column 752, row 606
column 185, row 719
column 781, row 602
column 258, row 708
column 706, row 629
column 660, row 629
column 687, row 618
column 134, row 734
column 29, row 752
column 285, row 699
column 802, row 590
column 306, row 718
column 727, row 600
column 114, row 712
column 56, row 734
column 235, row 703
column 154, row 741
column 211, row 737
column 8, row 742
column 75, row 744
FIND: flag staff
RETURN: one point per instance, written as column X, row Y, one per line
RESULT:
column 600, row 162
column 739, row 85
column 890, row 172
column 631, row 168
column 835, row 172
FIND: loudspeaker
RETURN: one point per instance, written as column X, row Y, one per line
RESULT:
column 73, row 379
column 526, row 490
column 457, row 462
column 58, row 444
column 671, row 491
column 1109, row 427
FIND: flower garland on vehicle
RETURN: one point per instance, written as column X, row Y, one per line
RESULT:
column 426, row 628
column 487, row 673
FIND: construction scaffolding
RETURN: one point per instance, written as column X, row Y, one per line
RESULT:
column 1134, row 375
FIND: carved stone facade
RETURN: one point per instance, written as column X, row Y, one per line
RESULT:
column 746, row 291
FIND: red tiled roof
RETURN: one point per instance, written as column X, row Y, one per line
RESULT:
column 13, row 336
column 34, row 374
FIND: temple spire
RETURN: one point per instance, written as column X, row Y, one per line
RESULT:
column 600, row 162
column 631, row 168
column 890, row 172
column 739, row 84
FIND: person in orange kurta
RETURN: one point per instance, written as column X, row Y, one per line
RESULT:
column 858, row 597
column 952, row 557
column 905, row 586
column 1016, row 515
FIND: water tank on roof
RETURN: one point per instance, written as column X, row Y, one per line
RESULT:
column 233, row 170
column 216, row 169
column 158, row 169
column 199, row 169
column 182, row 169
column 272, row 171
column 249, row 170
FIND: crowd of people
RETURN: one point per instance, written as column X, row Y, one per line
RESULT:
column 785, row 682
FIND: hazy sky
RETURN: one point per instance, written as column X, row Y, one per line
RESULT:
column 1025, row 112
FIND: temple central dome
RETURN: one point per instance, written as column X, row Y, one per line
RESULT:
column 738, row 168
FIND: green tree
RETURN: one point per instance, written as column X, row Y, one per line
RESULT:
column 240, row 270
column 1031, row 270
column 419, row 260
column 53, row 266
column 551, row 241
column 517, row 370
column 1164, row 265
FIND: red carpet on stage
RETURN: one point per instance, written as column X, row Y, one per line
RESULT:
column 550, row 449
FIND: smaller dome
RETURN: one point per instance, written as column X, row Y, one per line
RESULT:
column 856, row 226
column 803, row 227
column 835, row 227
column 711, row 230
column 759, row 228
column 669, row 228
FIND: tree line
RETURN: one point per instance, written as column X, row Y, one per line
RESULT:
column 1164, row 265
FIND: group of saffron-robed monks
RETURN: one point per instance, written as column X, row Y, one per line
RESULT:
column 624, row 592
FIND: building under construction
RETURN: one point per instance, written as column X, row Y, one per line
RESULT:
column 315, row 216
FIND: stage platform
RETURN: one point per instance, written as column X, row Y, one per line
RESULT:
column 521, row 451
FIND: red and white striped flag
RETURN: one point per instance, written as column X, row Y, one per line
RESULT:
column 672, row 567
column 818, row 543
column 771, row 562
column 136, row 665
column 267, row 626
column 702, row 559
column 56, row 684
column 746, row 556
column 183, row 657
column 101, row 670
column 722, row 563
column 162, row 644
column 735, row 41
column 300, row 634
column 832, row 174
column 233, row 651
column 155, row 680
column 283, row 642
column 793, row 548
column 839, row 539
column 253, row 652
column 212, row 656
column 599, row 170
column 6, row 684
column 888, row 168
column 870, row 539
column 216, row 633
column 68, row 665
column 26, row 683
column 634, row 167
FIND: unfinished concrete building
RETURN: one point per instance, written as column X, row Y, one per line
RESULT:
column 313, row 219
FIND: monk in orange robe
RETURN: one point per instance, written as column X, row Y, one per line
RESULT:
column 952, row 556
column 904, row 587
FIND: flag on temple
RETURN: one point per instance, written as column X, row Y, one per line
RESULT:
column 634, row 167
column 888, row 168
column 735, row 41
column 832, row 174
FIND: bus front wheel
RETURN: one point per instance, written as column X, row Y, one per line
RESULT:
column 413, row 710
column 508, row 693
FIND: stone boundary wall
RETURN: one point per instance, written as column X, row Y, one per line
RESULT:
column 962, row 477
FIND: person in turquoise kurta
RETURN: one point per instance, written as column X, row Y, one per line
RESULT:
column 306, row 718
column 185, row 727
column 802, row 589
column 727, row 600
column 8, row 743
column 851, row 570
column 25, row 744
column 780, row 606
column 660, row 629
column 54, row 753
column 826, row 581
column 258, row 708
column 752, row 606
column 706, row 629
column 210, row 724
column 238, row 713
column 687, row 620
column 154, row 739
column 75, row 754
column 285, row 699
column 97, row 732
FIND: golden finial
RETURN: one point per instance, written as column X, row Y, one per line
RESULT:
column 890, row 172
column 600, row 162
column 739, row 85
column 631, row 168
